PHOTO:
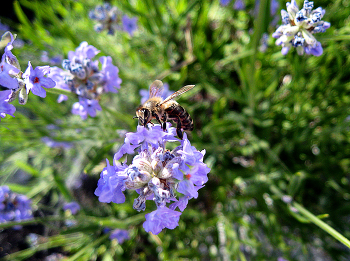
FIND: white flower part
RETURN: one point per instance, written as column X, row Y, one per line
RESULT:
column 284, row 39
column 170, row 168
column 292, row 9
column 291, row 30
column 309, row 38
column 157, row 160
column 136, row 179
column 143, row 165
column 22, row 96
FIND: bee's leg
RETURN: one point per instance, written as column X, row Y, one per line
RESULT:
column 164, row 119
column 178, row 128
column 157, row 118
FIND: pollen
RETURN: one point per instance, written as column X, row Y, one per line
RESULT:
column 188, row 176
column 36, row 80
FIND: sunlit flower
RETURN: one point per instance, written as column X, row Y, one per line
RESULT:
column 110, row 19
column 13, row 206
column 298, row 28
column 155, row 173
column 87, row 78
column 120, row 235
column 73, row 207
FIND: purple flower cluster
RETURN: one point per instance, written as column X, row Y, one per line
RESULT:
column 238, row 4
column 87, row 78
column 56, row 144
column 13, row 207
column 155, row 174
column 298, row 28
column 109, row 18
column 120, row 235
column 73, row 207
column 19, row 83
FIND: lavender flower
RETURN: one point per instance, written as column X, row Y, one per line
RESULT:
column 73, row 207
column 56, row 144
column 13, row 207
column 129, row 24
column 163, row 217
column 21, row 83
column 109, row 18
column 298, row 28
column 5, row 107
column 225, row 2
column 86, row 107
column 35, row 79
column 120, row 235
column 82, row 76
column 239, row 5
column 155, row 174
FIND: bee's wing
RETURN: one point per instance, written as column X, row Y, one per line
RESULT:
column 156, row 89
column 178, row 93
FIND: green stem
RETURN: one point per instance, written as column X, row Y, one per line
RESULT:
column 60, row 91
column 318, row 222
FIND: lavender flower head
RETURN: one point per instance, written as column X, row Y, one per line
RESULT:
column 120, row 235
column 298, row 28
column 110, row 19
column 87, row 78
column 73, row 207
column 156, row 174
column 129, row 24
column 13, row 207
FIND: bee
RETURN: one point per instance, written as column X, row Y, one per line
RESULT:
column 162, row 110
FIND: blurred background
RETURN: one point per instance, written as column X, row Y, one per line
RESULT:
column 275, row 129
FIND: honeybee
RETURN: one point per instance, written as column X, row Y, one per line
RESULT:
column 162, row 110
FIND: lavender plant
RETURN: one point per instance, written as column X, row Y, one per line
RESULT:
column 274, row 130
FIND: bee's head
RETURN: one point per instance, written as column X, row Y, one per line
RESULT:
column 144, row 116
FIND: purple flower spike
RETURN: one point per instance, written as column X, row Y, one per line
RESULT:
column 239, row 5
column 82, row 75
column 119, row 234
column 155, row 174
column 110, row 72
column 13, row 207
column 161, row 218
column 298, row 27
column 83, row 51
column 129, row 24
column 35, row 80
column 225, row 2
column 110, row 185
column 86, row 107
column 56, row 144
column 73, row 207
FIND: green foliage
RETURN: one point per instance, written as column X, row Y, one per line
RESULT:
column 272, row 126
